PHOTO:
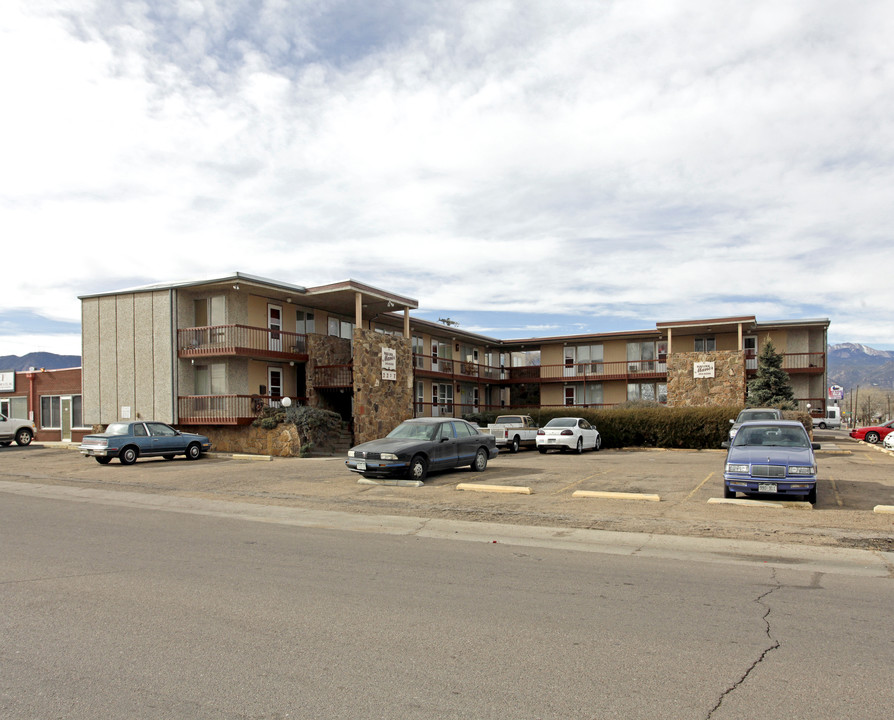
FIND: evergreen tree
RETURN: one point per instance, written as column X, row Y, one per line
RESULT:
column 771, row 387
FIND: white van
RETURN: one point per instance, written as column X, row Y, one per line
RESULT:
column 832, row 419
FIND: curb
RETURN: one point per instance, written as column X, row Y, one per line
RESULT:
column 495, row 488
column 886, row 509
column 615, row 495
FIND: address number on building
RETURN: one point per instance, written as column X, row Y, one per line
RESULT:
column 389, row 375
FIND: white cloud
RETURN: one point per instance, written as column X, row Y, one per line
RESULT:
column 649, row 161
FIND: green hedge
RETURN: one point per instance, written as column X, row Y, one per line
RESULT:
column 694, row 428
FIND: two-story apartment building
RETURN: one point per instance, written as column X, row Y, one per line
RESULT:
column 215, row 352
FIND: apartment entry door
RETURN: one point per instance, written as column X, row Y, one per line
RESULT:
column 750, row 345
column 274, row 385
column 274, row 325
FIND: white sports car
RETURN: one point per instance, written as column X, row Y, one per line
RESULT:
column 568, row 433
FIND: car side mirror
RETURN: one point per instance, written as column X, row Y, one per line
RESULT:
column 815, row 446
column 732, row 422
column 725, row 444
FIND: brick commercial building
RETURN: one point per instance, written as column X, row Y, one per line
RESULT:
column 51, row 398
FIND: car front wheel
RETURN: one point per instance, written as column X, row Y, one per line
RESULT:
column 727, row 493
column 193, row 451
column 871, row 437
column 23, row 437
column 418, row 468
column 480, row 461
column 598, row 444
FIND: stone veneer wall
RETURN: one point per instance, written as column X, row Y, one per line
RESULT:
column 324, row 350
column 281, row 441
column 379, row 404
column 727, row 387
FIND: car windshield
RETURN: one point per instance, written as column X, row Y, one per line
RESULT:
column 415, row 431
column 118, row 429
column 772, row 435
column 562, row 422
column 749, row 415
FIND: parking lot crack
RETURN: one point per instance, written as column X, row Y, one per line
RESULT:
column 772, row 644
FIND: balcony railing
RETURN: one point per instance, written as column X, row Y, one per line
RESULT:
column 333, row 376
column 241, row 340
column 226, row 409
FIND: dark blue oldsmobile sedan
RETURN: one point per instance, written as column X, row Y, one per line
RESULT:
column 774, row 456
column 129, row 440
column 416, row 446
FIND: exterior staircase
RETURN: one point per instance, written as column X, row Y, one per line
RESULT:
column 338, row 443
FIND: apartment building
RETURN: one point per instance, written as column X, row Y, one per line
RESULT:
column 215, row 352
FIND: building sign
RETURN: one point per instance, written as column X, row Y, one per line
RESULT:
column 389, row 364
column 836, row 392
column 125, row 412
column 703, row 370
column 8, row 381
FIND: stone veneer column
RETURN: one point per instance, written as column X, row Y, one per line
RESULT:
column 380, row 404
column 727, row 387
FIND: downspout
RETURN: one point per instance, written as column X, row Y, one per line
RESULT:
column 175, row 414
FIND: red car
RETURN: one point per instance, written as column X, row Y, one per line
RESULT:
column 873, row 434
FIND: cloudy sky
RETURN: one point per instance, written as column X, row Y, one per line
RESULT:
column 524, row 167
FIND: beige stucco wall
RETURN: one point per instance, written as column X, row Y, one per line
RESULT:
column 127, row 357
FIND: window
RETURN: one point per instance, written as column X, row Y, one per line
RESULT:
column 347, row 330
column 593, row 394
column 647, row 392
column 705, row 344
column 583, row 359
column 333, row 327
column 304, row 324
column 418, row 351
column 211, row 379
column 420, row 397
column 51, row 412
column 641, row 357
column 569, row 395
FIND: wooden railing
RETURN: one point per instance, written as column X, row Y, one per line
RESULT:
column 333, row 376
column 226, row 409
column 240, row 340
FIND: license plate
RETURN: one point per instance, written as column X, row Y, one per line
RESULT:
column 766, row 487
column 551, row 440
column 361, row 466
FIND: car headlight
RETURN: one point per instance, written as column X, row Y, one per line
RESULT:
column 351, row 453
column 388, row 456
column 736, row 468
column 802, row 470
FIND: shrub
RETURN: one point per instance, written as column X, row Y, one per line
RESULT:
column 314, row 425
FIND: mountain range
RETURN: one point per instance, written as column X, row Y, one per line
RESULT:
column 850, row 365
column 37, row 360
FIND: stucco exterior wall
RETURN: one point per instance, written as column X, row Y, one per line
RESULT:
column 127, row 357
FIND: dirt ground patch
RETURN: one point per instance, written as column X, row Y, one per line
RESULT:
column 853, row 480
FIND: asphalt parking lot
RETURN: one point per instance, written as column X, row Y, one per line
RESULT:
column 855, row 478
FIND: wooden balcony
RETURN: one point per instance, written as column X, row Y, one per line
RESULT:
column 242, row 341
column 225, row 409
column 794, row 363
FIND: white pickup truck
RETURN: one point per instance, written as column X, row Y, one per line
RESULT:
column 513, row 431
column 15, row 429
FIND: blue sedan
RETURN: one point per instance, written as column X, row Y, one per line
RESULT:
column 130, row 440
column 773, row 457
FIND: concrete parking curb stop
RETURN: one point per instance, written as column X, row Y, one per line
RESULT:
column 778, row 505
column 495, row 488
column 395, row 483
column 615, row 495
column 884, row 509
